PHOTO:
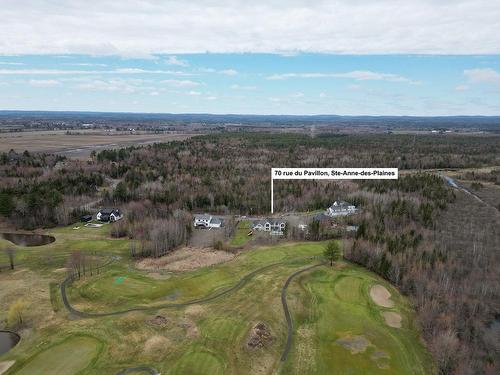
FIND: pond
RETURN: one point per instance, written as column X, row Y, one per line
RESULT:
column 8, row 340
column 26, row 239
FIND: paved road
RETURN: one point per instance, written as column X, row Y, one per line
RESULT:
column 288, row 317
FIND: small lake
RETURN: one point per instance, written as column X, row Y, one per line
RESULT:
column 26, row 239
column 8, row 340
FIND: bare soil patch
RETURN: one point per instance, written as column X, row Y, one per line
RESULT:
column 158, row 320
column 356, row 344
column 392, row 319
column 260, row 336
column 187, row 258
column 381, row 296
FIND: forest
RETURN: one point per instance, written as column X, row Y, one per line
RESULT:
column 434, row 243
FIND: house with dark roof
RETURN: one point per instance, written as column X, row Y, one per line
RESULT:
column 109, row 215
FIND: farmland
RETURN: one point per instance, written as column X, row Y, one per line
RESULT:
column 80, row 144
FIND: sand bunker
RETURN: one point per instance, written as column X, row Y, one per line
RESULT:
column 392, row 319
column 381, row 296
column 356, row 344
column 5, row 365
column 187, row 258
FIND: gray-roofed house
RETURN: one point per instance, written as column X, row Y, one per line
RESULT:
column 340, row 208
column 207, row 221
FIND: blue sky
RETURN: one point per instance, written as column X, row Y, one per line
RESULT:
column 356, row 57
column 293, row 83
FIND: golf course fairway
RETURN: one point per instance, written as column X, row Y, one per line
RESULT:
column 203, row 321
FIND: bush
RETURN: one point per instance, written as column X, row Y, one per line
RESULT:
column 15, row 315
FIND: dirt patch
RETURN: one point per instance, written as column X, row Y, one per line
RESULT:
column 392, row 319
column 356, row 344
column 5, row 365
column 381, row 296
column 260, row 336
column 158, row 320
column 187, row 258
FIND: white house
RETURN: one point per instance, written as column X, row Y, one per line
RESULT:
column 340, row 208
column 109, row 215
column 207, row 221
column 274, row 226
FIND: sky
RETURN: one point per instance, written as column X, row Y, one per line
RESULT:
column 356, row 57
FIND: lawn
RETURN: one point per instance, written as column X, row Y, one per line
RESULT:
column 327, row 304
column 68, row 357
column 241, row 236
column 340, row 330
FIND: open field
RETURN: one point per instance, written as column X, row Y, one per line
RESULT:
column 82, row 144
column 331, row 309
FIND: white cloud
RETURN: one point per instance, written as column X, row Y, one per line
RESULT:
column 485, row 75
column 180, row 83
column 86, row 72
column 239, row 87
column 11, row 63
column 194, row 93
column 120, row 85
column 297, row 95
column 85, row 64
column 173, row 60
column 135, row 28
column 228, row 72
column 44, row 82
column 358, row 75
column 322, row 95
column 461, row 88
column 211, row 98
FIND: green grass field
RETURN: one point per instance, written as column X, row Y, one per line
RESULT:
column 327, row 305
column 71, row 356
column 336, row 316
column 241, row 236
